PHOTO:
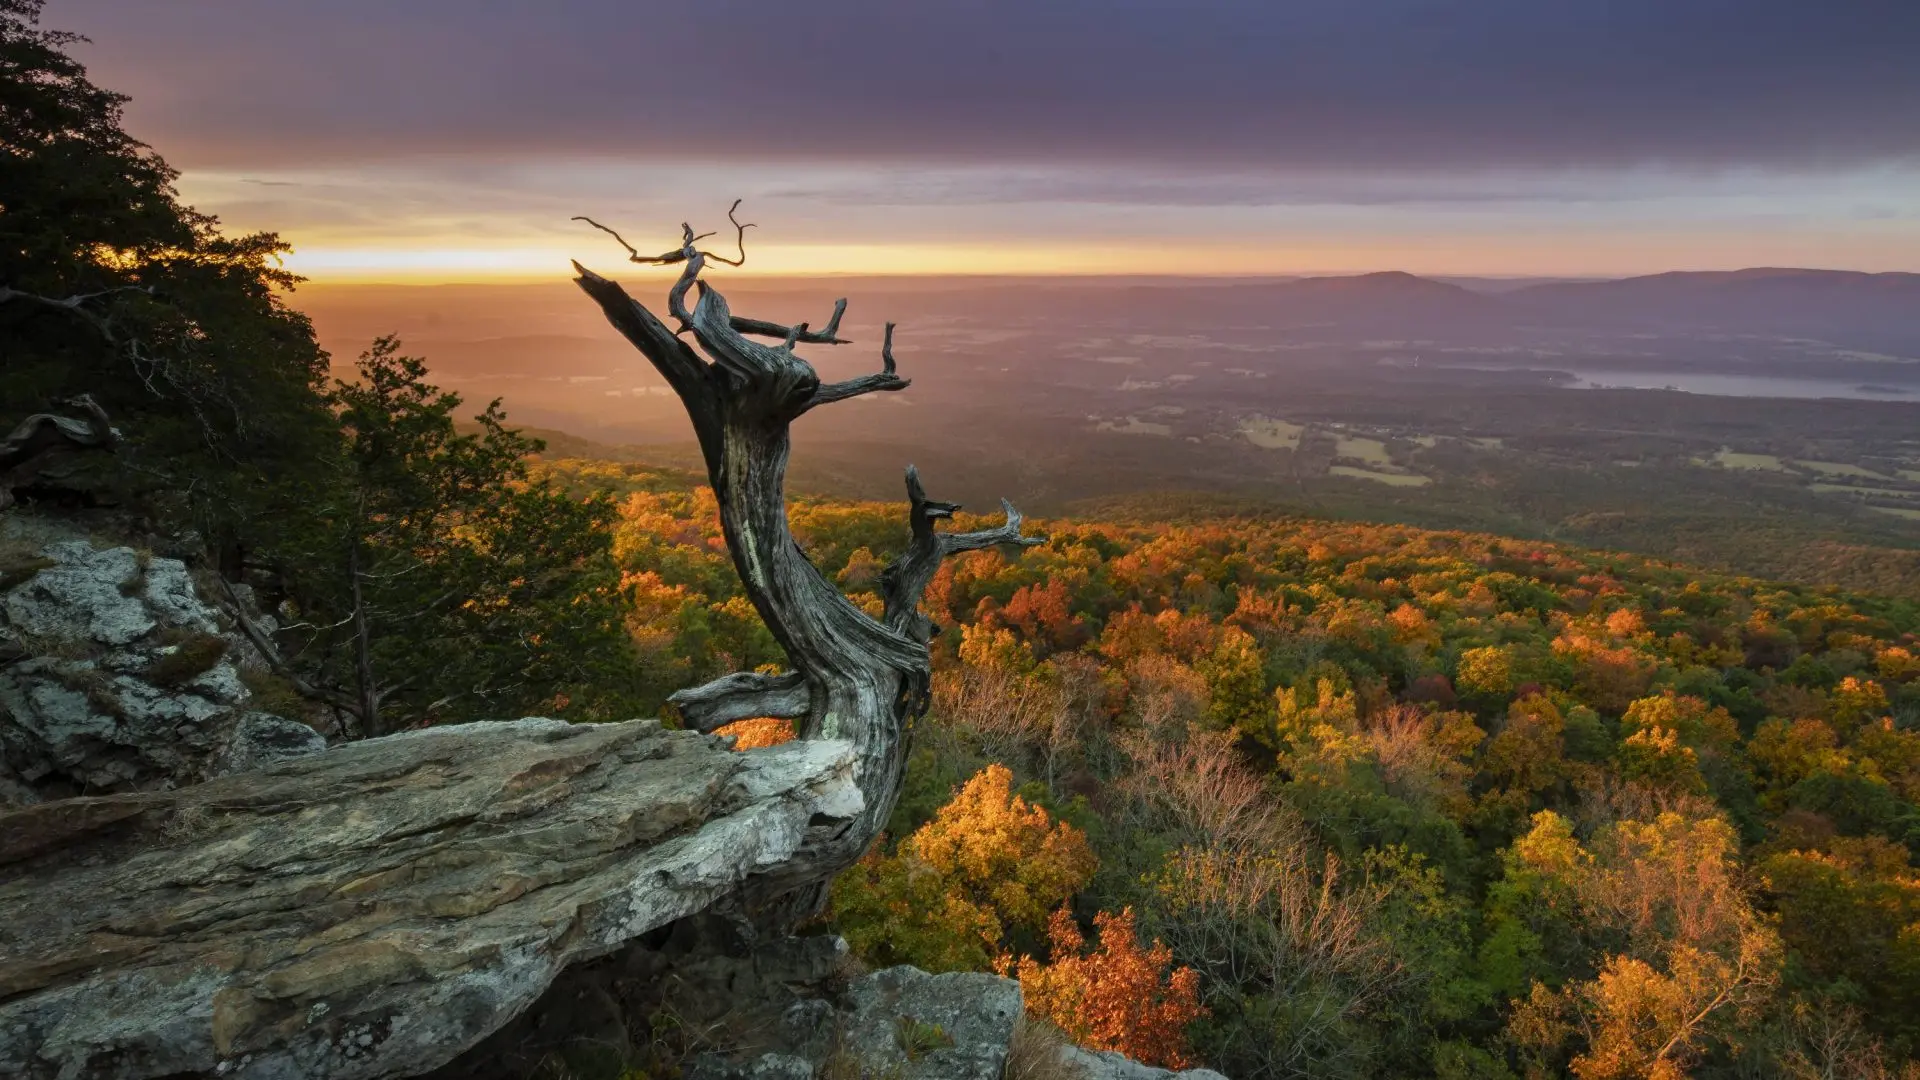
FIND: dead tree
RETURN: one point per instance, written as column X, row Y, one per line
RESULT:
column 46, row 439
column 853, row 677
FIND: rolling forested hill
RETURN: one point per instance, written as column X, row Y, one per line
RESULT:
column 1389, row 801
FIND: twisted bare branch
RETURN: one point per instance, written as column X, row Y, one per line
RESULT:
column 905, row 579
column 43, row 431
column 826, row 336
column 72, row 303
column 686, row 252
column 741, row 696
column 695, row 259
column 633, row 254
column 886, row 379
column 740, row 238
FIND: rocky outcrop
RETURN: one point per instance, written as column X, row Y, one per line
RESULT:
column 904, row 1022
column 198, row 887
column 1107, row 1065
column 899, row 1023
column 115, row 674
column 375, row 909
column 709, row 998
column 257, row 740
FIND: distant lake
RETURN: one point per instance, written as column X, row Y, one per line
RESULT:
column 1719, row 384
column 1723, row 385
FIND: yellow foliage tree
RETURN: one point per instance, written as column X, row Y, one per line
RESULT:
column 988, row 863
column 1656, row 757
column 1304, row 710
column 1697, row 954
column 1897, row 662
column 1856, row 701
column 1009, row 856
column 1695, row 721
column 983, row 646
column 1487, row 671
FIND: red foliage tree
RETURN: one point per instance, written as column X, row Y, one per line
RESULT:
column 1118, row 996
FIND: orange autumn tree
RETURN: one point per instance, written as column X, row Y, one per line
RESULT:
column 989, row 863
column 1117, row 996
column 757, row 732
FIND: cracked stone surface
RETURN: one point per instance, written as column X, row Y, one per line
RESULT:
column 975, row 1012
column 374, row 909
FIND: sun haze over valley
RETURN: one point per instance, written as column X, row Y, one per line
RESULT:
column 1506, row 268
column 1160, row 540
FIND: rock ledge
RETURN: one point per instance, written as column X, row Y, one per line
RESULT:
column 374, row 909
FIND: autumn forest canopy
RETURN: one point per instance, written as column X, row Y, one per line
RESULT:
column 1346, row 799
column 1282, row 795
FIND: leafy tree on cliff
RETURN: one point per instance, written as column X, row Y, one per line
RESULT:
column 430, row 579
column 109, row 286
column 434, row 581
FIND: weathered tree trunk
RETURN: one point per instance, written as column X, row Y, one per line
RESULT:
column 363, row 675
column 854, row 677
column 44, row 439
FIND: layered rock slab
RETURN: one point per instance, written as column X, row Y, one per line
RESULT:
column 377, row 908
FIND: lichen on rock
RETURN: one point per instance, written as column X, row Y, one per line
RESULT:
column 115, row 673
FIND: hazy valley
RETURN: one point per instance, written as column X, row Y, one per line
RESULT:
column 1790, row 447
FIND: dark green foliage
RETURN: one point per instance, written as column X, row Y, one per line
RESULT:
column 430, row 577
column 186, row 340
column 436, row 581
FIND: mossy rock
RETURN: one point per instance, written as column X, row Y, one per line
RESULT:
column 19, row 572
column 188, row 661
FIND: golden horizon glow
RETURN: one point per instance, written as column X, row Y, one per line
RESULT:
column 322, row 265
column 508, row 222
column 508, row 265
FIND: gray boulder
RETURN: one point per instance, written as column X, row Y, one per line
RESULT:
column 116, row 675
column 1107, row 1065
column 261, row 739
column 899, row 1024
column 908, row 1023
column 87, row 595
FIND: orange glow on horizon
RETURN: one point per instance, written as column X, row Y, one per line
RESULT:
column 1517, row 257
column 416, row 265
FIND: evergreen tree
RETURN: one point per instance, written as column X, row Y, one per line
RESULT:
column 435, row 581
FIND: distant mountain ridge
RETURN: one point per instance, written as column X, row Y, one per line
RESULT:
column 491, row 331
column 1753, row 280
column 1815, row 303
column 1872, row 308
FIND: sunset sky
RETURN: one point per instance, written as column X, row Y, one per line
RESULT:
column 442, row 140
